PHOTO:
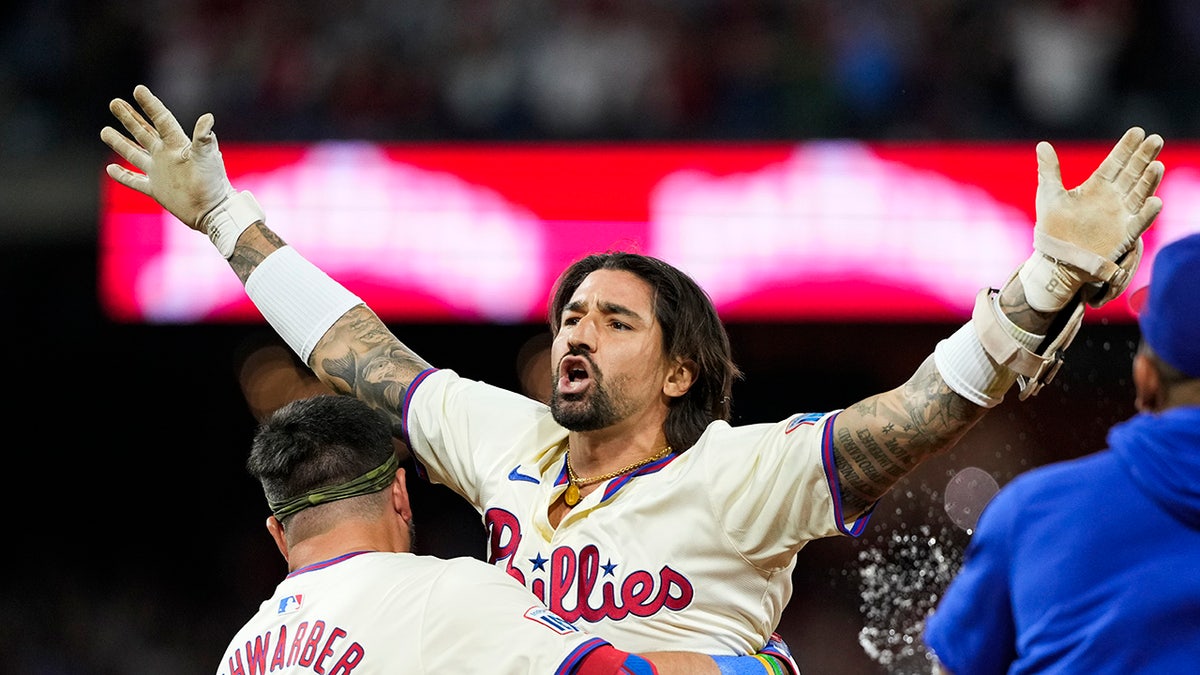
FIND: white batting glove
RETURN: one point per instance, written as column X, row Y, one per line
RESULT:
column 1091, row 234
column 185, row 175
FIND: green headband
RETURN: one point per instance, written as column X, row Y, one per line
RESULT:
column 372, row 481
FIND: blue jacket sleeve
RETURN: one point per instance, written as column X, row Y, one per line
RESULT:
column 972, row 629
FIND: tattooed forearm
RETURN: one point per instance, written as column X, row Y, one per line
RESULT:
column 879, row 440
column 253, row 246
column 361, row 326
column 360, row 356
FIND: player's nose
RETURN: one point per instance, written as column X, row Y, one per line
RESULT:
column 584, row 335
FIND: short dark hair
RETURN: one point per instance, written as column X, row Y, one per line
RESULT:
column 316, row 442
column 691, row 330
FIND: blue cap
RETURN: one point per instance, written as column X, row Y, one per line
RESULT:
column 1169, row 308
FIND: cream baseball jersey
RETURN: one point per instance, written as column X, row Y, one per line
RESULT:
column 372, row 613
column 692, row 552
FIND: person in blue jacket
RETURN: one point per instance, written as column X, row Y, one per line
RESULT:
column 1093, row 565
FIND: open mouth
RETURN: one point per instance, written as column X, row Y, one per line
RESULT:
column 574, row 375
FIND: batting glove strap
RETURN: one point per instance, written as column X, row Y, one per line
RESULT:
column 1098, row 294
column 1034, row 360
column 226, row 222
column 1059, row 269
column 1095, row 267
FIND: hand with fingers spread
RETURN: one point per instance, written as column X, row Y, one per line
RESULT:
column 1091, row 235
column 185, row 175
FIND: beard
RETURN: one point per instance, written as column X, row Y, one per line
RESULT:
column 592, row 410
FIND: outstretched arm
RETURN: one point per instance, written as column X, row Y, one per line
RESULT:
column 357, row 354
column 879, row 440
column 1087, row 244
column 343, row 341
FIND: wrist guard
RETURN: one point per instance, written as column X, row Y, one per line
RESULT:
column 226, row 221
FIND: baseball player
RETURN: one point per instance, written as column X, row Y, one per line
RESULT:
column 630, row 504
column 356, row 600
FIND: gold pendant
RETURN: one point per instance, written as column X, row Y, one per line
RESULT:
column 571, row 496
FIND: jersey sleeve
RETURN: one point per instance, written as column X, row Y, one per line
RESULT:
column 773, row 486
column 460, row 431
column 972, row 630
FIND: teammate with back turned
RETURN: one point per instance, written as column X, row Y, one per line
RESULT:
column 356, row 598
column 630, row 503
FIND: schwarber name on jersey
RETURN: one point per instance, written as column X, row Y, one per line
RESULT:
column 694, row 551
column 373, row 613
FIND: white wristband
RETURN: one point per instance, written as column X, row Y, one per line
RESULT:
column 299, row 300
column 969, row 371
column 226, row 222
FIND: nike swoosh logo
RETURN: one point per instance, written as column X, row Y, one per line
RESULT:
column 516, row 474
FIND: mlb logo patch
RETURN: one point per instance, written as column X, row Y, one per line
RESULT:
column 289, row 604
column 801, row 420
column 551, row 620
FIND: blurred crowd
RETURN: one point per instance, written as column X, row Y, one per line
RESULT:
column 607, row 69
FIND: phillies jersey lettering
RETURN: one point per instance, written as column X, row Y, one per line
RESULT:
column 693, row 552
column 576, row 585
column 307, row 648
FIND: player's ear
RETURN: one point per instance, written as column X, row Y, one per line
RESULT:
column 680, row 377
column 1147, row 382
column 400, row 501
column 276, row 529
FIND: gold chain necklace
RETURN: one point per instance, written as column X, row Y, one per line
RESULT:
column 571, row 497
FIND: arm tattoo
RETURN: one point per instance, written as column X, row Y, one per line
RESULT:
column 358, row 355
column 361, row 357
column 252, row 248
column 878, row 441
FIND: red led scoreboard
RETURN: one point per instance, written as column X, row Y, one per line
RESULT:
column 814, row 231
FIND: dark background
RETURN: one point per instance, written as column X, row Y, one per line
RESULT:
column 136, row 542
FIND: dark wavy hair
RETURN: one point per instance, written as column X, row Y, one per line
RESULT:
column 691, row 330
